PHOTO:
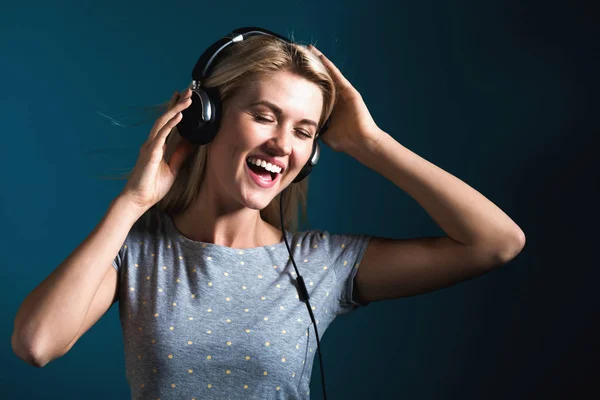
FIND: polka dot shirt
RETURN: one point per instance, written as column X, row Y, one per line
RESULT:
column 204, row 321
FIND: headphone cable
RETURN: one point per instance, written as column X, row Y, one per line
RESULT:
column 303, row 294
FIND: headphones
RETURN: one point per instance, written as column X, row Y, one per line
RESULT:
column 201, row 120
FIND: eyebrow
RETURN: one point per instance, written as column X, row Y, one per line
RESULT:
column 278, row 111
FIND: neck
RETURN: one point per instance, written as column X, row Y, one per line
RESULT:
column 242, row 228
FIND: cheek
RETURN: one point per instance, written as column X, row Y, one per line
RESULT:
column 223, row 157
column 300, row 160
column 245, row 136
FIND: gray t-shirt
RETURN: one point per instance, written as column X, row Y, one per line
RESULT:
column 204, row 321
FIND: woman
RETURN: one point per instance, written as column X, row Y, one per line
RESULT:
column 209, row 303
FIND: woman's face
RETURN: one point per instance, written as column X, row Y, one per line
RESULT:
column 249, row 127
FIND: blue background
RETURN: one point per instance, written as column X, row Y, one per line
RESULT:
column 498, row 93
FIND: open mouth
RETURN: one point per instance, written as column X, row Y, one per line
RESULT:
column 261, row 176
column 261, row 172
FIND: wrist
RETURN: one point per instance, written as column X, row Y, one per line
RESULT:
column 368, row 143
column 126, row 206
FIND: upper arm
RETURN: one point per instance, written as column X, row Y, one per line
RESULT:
column 105, row 297
column 395, row 268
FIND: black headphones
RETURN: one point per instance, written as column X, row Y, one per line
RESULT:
column 201, row 120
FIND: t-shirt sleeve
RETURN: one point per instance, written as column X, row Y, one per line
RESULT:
column 121, row 257
column 116, row 263
column 141, row 230
column 346, row 252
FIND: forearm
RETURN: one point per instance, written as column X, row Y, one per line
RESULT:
column 461, row 211
column 52, row 314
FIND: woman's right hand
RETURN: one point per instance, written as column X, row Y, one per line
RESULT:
column 152, row 177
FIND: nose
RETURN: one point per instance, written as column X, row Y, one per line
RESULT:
column 281, row 141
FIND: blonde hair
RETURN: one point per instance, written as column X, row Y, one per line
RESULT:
column 238, row 64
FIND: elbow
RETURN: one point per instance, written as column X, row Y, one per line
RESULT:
column 26, row 353
column 513, row 250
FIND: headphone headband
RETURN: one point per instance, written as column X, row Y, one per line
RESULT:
column 207, row 58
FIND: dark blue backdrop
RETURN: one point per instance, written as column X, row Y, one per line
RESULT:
column 498, row 93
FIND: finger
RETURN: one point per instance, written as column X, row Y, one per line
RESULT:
column 181, row 105
column 161, row 136
column 185, row 93
column 336, row 74
column 173, row 100
column 181, row 153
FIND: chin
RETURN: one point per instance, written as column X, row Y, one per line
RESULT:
column 256, row 206
column 256, row 200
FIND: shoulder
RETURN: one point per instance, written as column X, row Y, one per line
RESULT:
column 334, row 243
column 151, row 224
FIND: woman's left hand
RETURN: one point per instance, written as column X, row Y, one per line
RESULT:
column 351, row 125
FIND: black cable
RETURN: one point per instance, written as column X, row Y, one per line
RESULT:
column 303, row 294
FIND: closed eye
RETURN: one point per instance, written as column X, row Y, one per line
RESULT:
column 260, row 118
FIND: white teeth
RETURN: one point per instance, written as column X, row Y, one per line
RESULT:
column 268, row 166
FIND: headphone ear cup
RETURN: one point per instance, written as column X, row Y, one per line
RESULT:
column 192, row 125
column 312, row 161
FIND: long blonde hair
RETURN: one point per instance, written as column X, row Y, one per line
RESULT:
column 236, row 65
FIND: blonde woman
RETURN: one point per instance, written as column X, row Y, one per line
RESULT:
column 219, row 295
